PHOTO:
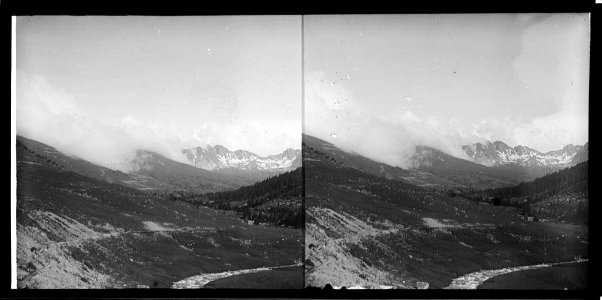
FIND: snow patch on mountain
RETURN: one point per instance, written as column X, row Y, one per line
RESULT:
column 498, row 153
column 219, row 157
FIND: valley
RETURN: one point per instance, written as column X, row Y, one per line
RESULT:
column 367, row 224
column 368, row 230
column 443, row 151
column 78, row 231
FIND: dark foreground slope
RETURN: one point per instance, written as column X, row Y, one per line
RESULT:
column 75, row 231
column 367, row 230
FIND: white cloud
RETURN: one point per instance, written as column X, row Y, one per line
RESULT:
column 553, row 132
column 388, row 138
column 256, row 136
column 526, row 84
column 392, row 138
column 50, row 115
column 544, row 134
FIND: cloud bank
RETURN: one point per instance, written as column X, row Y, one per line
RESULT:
column 48, row 114
column 349, row 124
column 392, row 138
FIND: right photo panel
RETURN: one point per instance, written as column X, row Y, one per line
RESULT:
column 446, row 151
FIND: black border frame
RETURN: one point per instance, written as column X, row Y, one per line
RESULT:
column 10, row 8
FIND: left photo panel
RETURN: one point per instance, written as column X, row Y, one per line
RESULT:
column 159, row 152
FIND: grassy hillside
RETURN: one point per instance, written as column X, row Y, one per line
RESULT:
column 466, row 173
column 573, row 179
column 276, row 200
column 151, row 171
column 432, row 168
column 370, row 231
column 184, row 176
column 75, row 231
column 36, row 152
column 562, row 195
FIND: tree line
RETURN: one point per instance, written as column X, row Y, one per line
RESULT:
column 526, row 195
column 276, row 200
column 569, row 180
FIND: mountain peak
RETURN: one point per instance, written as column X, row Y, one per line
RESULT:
column 242, row 152
column 570, row 147
column 219, row 157
column 499, row 153
column 500, row 145
column 221, row 149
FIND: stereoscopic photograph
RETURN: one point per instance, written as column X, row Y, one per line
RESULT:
column 386, row 151
column 446, row 151
column 159, row 152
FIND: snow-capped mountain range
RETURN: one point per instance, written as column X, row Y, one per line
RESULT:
column 498, row 153
column 219, row 157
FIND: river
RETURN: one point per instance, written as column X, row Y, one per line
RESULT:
column 199, row 281
column 475, row 279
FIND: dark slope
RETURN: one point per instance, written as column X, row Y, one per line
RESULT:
column 151, row 171
column 314, row 148
column 562, row 195
column 582, row 155
column 466, row 173
column 187, row 177
column 34, row 151
column 78, row 231
column 573, row 179
column 432, row 168
column 276, row 200
column 366, row 230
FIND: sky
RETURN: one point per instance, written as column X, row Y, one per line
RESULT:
column 379, row 85
column 102, row 87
